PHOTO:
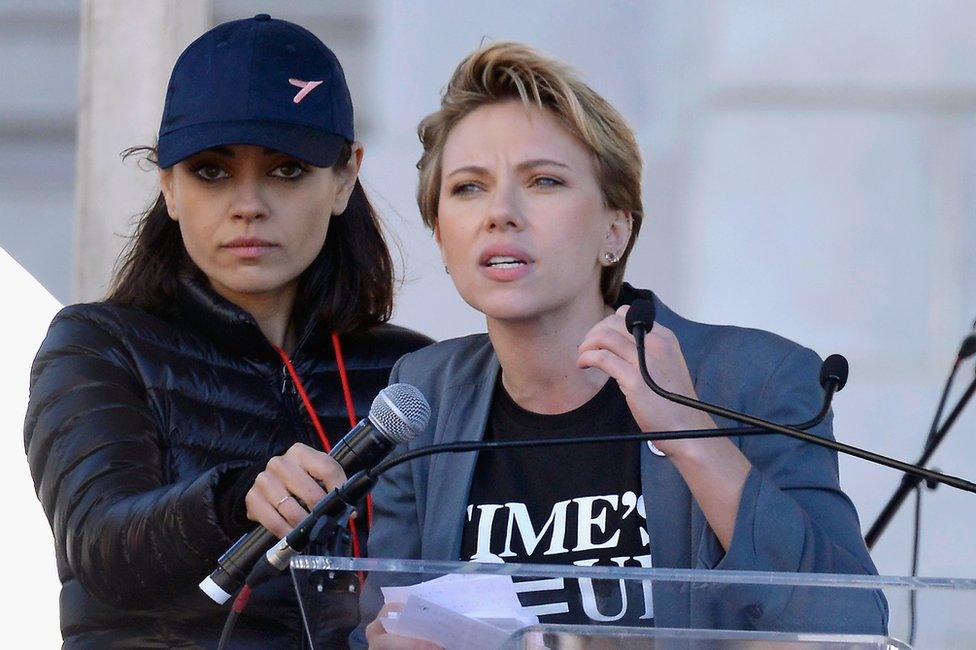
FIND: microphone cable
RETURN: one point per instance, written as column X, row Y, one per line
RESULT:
column 240, row 602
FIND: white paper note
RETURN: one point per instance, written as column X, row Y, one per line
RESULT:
column 422, row 619
column 458, row 611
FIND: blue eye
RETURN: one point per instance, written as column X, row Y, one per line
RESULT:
column 465, row 188
column 546, row 181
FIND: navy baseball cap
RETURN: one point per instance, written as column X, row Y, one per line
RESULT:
column 258, row 81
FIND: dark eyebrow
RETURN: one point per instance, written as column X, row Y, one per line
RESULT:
column 528, row 164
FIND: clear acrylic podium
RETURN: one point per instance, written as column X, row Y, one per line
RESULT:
column 690, row 609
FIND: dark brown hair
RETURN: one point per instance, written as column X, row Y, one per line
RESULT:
column 351, row 279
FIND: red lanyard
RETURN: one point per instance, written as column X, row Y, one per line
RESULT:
column 320, row 430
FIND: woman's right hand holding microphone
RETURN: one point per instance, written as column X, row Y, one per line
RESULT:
column 290, row 486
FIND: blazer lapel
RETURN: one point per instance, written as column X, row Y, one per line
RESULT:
column 449, row 481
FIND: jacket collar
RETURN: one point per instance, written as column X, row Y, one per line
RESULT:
column 228, row 325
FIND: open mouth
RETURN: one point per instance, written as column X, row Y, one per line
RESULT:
column 504, row 262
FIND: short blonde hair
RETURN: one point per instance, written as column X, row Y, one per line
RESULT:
column 505, row 71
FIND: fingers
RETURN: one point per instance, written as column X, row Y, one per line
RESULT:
column 606, row 361
column 609, row 347
column 376, row 628
column 291, row 509
column 318, row 465
column 611, row 335
column 659, row 341
column 290, row 485
column 379, row 639
column 293, row 479
column 394, row 642
column 306, row 473
column 262, row 511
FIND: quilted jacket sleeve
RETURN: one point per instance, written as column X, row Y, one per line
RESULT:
column 93, row 445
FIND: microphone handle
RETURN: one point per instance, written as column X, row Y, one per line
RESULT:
column 234, row 565
column 363, row 447
column 338, row 500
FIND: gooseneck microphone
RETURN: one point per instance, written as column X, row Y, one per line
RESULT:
column 398, row 413
column 833, row 373
column 640, row 319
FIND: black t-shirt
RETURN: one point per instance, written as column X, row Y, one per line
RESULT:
column 567, row 504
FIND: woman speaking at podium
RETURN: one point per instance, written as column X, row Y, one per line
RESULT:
column 245, row 323
column 531, row 184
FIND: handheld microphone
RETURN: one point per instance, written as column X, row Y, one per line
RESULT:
column 398, row 413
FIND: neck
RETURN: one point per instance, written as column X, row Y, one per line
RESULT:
column 538, row 358
column 272, row 311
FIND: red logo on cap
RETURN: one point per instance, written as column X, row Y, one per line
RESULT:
column 306, row 88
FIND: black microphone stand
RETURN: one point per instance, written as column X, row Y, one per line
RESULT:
column 911, row 481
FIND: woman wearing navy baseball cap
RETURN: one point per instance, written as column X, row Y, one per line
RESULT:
column 243, row 335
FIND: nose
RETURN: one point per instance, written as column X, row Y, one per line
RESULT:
column 248, row 204
column 504, row 208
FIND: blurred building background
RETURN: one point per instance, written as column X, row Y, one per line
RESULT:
column 810, row 169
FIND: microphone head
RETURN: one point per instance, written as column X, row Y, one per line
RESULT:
column 641, row 313
column 401, row 412
column 968, row 347
column 834, row 367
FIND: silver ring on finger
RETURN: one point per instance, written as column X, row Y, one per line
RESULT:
column 282, row 500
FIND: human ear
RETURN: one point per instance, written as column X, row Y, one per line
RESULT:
column 347, row 175
column 440, row 245
column 618, row 236
column 166, row 187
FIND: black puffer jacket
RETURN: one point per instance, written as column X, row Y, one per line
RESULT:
column 137, row 425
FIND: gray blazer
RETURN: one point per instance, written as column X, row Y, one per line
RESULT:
column 793, row 515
